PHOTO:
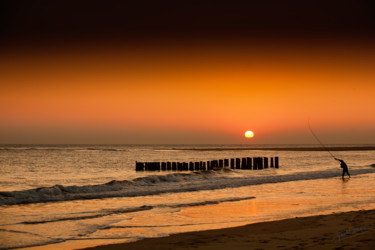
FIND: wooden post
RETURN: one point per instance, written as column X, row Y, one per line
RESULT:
column 260, row 166
column 208, row 165
column 243, row 164
column 196, row 166
column 276, row 162
column 221, row 163
column 234, row 163
column 255, row 163
column 157, row 166
column 174, row 166
column 163, row 166
column 265, row 161
column 214, row 164
column 249, row 164
column 153, row 166
column 191, row 166
column 139, row 166
column 179, row 166
column 226, row 163
column 238, row 163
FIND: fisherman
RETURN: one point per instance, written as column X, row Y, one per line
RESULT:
column 344, row 167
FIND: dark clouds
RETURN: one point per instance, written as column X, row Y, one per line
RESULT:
column 75, row 21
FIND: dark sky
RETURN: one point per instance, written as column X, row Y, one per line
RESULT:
column 201, row 71
column 73, row 22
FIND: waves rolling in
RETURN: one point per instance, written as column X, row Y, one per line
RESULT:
column 158, row 184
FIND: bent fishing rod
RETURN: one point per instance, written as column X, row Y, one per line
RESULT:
column 316, row 138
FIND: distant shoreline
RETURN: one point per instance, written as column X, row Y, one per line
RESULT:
column 204, row 147
column 343, row 148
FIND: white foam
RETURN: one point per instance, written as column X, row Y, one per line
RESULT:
column 157, row 184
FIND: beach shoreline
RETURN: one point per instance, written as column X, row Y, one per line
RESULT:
column 347, row 230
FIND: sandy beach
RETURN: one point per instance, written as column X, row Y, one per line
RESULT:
column 350, row 230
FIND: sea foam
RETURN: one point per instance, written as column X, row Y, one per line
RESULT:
column 158, row 184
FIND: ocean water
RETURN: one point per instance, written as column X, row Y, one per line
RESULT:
column 75, row 196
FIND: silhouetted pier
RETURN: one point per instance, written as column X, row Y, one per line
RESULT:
column 246, row 163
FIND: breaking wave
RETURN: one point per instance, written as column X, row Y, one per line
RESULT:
column 107, row 212
column 158, row 184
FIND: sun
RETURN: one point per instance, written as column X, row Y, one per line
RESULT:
column 249, row 134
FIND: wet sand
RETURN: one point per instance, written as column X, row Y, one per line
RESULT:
column 350, row 230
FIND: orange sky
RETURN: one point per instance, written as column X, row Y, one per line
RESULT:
column 200, row 94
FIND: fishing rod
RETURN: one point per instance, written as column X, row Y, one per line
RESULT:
column 316, row 137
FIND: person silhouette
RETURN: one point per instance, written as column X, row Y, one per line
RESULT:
column 344, row 167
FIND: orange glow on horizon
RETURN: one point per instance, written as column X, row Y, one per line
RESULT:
column 193, row 93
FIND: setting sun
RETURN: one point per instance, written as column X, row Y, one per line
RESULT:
column 249, row 134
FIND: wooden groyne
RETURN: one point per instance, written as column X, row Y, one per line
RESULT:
column 246, row 163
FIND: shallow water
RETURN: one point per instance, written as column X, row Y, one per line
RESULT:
column 89, row 222
column 34, row 166
column 307, row 183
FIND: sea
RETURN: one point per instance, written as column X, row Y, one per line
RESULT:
column 78, row 196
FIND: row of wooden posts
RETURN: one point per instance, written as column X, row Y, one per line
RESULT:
column 247, row 163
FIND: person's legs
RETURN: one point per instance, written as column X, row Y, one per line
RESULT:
column 345, row 171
